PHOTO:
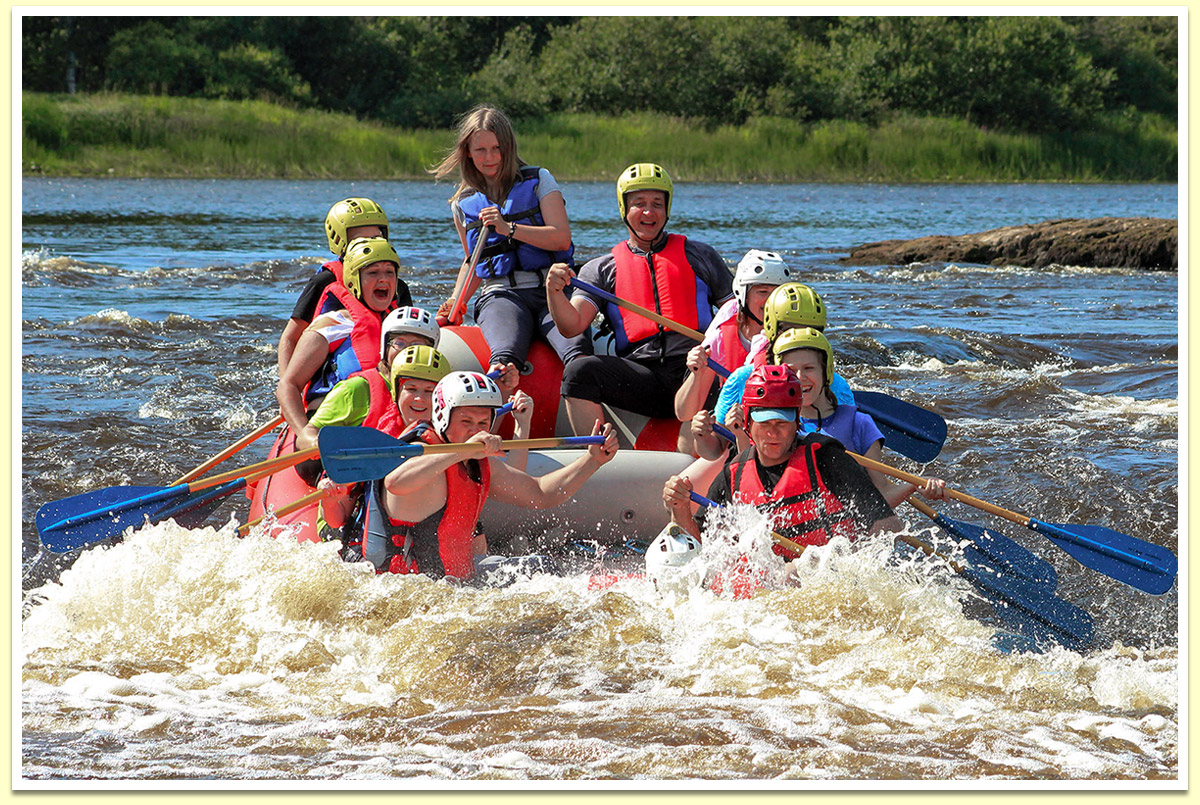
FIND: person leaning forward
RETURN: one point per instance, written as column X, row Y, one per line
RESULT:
column 812, row 488
column 677, row 277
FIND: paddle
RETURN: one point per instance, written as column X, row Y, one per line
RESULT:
column 999, row 549
column 910, row 430
column 458, row 304
column 1027, row 608
column 1132, row 561
column 358, row 454
column 81, row 520
column 229, row 451
column 308, row 500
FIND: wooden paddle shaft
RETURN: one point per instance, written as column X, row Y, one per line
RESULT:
column 982, row 505
column 695, row 335
column 262, row 468
column 458, row 307
column 784, row 542
column 923, row 507
column 476, row 447
column 295, row 505
column 229, row 451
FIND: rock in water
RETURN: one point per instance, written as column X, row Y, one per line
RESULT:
column 1148, row 243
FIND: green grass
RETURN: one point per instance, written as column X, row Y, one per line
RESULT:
column 136, row 136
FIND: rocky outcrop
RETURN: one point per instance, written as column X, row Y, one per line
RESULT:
column 1148, row 243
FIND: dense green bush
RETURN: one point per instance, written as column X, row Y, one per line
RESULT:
column 1041, row 74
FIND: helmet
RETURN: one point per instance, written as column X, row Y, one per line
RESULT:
column 349, row 213
column 795, row 305
column 644, row 176
column 671, row 549
column 361, row 253
column 805, row 338
column 459, row 389
column 420, row 362
column 770, row 387
column 409, row 320
column 759, row 268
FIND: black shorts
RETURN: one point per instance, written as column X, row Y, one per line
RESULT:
column 645, row 387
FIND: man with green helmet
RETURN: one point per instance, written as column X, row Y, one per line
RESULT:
column 677, row 277
column 347, row 220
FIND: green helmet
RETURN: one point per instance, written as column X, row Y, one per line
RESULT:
column 349, row 213
column 795, row 305
column 644, row 176
column 420, row 362
column 361, row 253
column 805, row 338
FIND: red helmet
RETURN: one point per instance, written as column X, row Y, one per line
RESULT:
column 774, row 387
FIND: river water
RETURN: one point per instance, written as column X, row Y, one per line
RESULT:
column 150, row 312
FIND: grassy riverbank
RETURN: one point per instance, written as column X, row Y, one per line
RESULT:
column 151, row 136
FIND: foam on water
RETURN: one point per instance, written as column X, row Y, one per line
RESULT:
column 196, row 645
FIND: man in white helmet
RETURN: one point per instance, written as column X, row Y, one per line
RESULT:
column 423, row 517
column 351, row 401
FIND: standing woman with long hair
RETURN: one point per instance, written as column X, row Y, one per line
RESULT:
column 520, row 212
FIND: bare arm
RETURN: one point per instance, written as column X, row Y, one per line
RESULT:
column 520, row 489
column 572, row 316
column 310, row 354
column 287, row 342
column 690, row 397
column 677, row 499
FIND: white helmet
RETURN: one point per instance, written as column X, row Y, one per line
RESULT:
column 671, row 549
column 459, row 389
column 409, row 320
column 759, row 268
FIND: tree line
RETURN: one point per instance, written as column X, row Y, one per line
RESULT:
column 1039, row 74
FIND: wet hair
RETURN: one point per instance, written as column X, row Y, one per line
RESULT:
column 481, row 118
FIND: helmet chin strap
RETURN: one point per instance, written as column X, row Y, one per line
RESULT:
column 746, row 310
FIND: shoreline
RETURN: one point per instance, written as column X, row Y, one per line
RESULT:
column 132, row 136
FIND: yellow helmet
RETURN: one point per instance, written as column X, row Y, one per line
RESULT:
column 795, row 305
column 805, row 338
column 420, row 362
column 348, row 213
column 361, row 253
column 644, row 176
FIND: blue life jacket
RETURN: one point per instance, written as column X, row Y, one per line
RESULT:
column 502, row 256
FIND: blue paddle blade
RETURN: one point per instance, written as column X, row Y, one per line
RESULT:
column 1140, row 564
column 81, row 520
column 195, row 509
column 910, row 430
column 351, row 455
column 1029, row 611
column 1000, row 550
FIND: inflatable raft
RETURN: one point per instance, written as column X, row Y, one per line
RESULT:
column 621, row 501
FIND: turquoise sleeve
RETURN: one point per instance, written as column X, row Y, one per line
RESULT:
column 841, row 390
column 731, row 392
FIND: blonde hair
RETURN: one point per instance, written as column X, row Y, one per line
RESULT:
column 481, row 118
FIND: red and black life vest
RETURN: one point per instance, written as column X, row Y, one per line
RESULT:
column 804, row 509
column 663, row 282
column 439, row 545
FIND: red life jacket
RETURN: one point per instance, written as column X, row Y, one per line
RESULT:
column 335, row 268
column 733, row 351
column 353, row 354
column 805, row 510
column 404, row 547
column 663, row 282
column 383, row 414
